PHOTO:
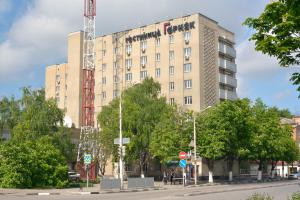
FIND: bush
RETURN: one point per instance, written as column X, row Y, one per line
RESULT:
column 257, row 196
column 295, row 196
column 28, row 164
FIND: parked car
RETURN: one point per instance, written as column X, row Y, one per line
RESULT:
column 295, row 175
column 73, row 176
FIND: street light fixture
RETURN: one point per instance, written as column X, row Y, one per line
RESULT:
column 195, row 149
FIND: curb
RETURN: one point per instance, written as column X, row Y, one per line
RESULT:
column 42, row 193
column 101, row 192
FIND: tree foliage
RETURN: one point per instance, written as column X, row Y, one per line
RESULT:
column 36, row 154
column 142, row 108
column 31, row 164
column 271, row 141
column 278, row 33
column 172, row 135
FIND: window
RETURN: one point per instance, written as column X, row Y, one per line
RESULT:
column 143, row 60
column 188, row 100
column 171, row 39
column 187, row 52
column 103, row 67
column 66, row 87
column 128, row 63
column 103, row 95
column 172, row 101
column 128, row 76
column 143, row 45
column 115, row 65
column 143, row 74
column 187, row 67
column 128, row 48
column 57, row 77
column 116, row 50
column 57, row 88
column 187, row 36
column 172, row 86
column 187, row 84
column 115, row 94
column 157, row 57
column 66, row 77
column 116, row 79
column 104, row 80
column 157, row 42
column 171, row 55
column 57, row 99
column 157, row 72
column 65, row 101
column 171, row 70
column 103, row 52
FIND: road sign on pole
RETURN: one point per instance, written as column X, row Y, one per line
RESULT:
column 182, row 163
column 87, row 159
column 182, row 155
column 124, row 141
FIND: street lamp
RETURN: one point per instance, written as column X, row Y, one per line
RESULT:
column 195, row 149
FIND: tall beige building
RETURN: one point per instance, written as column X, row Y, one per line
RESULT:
column 192, row 57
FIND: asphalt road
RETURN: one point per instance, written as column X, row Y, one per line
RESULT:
column 280, row 191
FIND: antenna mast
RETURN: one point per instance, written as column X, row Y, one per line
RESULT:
column 87, row 142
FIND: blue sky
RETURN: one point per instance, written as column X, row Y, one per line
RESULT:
column 33, row 35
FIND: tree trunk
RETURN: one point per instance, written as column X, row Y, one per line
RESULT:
column 259, row 175
column 210, row 164
column 282, row 165
column 274, row 163
column 230, row 166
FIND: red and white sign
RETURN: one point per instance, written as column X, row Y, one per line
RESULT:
column 182, row 155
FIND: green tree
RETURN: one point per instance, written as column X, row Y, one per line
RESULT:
column 224, row 132
column 10, row 113
column 31, row 164
column 211, row 137
column 270, row 140
column 142, row 108
column 236, row 120
column 36, row 154
column 171, row 135
column 39, row 116
column 278, row 33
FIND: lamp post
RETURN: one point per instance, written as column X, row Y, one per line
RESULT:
column 195, row 149
column 120, row 142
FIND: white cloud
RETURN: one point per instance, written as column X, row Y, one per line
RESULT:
column 39, row 36
column 253, row 64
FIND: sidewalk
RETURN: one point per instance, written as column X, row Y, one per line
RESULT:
column 199, row 189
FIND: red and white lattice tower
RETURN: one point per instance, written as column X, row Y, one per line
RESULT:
column 86, row 143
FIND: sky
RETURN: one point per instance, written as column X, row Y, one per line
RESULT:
column 33, row 35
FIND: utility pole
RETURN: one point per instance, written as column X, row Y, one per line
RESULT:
column 121, row 143
column 195, row 151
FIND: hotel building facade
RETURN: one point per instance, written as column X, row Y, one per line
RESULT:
column 192, row 57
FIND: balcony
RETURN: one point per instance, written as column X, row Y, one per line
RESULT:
column 227, row 80
column 225, row 94
column 225, row 49
column 225, row 64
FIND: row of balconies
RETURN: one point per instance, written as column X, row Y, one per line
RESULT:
column 227, row 80
column 226, row 94
column 225, row 64
column 227, row 50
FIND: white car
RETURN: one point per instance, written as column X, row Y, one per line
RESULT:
column 73, row 176
column 295, row 175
